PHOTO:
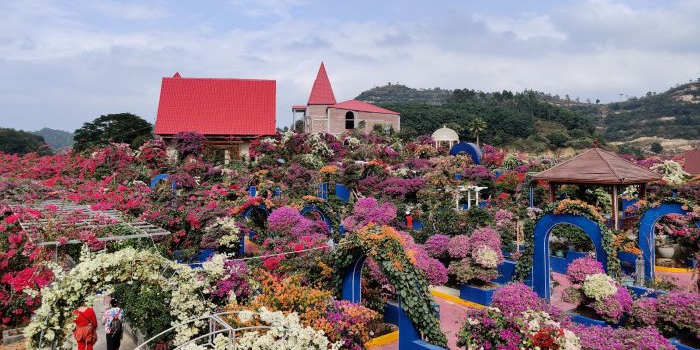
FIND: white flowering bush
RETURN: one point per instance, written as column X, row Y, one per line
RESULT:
column 53, row 320
column 536, row 321
column 231, row 238
column 486, row 257
column 599, row 286
column 281, row 332
column 672, row 172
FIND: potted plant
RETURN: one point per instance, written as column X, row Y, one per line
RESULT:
column 480, row 257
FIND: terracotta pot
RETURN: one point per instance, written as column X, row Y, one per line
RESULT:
column 666, row 252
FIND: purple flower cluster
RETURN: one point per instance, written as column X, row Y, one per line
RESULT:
column 397, row 187
column 437, row 245
column 607, row 338
column 459, row 247
column 680, row 310
column 486, row 237
column 515, row 298
column 235, row 281
column 582, row 267
column 612, row 308
column 644, row 312
column 504, row 219
column 368, row 210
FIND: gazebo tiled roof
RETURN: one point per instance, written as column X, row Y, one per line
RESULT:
column 598, row 167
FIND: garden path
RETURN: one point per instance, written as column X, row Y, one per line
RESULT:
column 452, row 316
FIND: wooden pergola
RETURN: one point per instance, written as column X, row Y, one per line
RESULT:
column 597, row 167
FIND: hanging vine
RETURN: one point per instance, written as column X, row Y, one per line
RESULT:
column 386, row 247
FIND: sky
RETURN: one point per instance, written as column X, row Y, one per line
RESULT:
column 66, row 62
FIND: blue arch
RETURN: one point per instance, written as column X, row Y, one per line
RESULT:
column 250, row 233
column 473, row 150
column 157, row 178
column 311, row 208
column 543, row 229
column 646, row 233
column 352, row 281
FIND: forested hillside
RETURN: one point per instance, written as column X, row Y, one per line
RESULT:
column 56, row 139
column 674, row 114
column 518, row 119
column 534, row 120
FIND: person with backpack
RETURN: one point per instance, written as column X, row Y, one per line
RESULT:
column 113, row 319
column 85, row 331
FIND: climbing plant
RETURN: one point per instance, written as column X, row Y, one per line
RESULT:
column 52, row 323
column 387, row 248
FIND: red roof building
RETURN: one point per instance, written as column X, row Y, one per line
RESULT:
column 226, row 111
column 323, row 114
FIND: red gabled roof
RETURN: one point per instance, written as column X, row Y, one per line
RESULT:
column 216, row 106
column 322, row 92
column 361, row 106
column 298, row 107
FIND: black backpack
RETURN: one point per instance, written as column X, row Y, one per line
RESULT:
column 116, row 326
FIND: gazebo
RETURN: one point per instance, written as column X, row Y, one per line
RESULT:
column 601, row 168
column 445, row 134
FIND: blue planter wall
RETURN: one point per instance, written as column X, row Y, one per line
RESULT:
column 477, row 295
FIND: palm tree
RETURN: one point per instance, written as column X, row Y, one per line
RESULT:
column 477, row 126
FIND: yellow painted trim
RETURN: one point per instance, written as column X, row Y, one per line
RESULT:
column 383, row 340
column 673, row 269
column 454, row 299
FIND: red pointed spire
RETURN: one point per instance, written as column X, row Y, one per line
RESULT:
column 322, row 92
column 177, row 75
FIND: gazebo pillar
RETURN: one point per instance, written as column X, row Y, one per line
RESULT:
column 643, row 191
column 551, row 192
column 615, row 207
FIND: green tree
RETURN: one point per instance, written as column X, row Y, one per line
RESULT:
column 21, row 142
column 476, row 127
column 120, row 128
column 656, row 147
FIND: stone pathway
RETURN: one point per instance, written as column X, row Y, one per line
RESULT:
column 452, row 316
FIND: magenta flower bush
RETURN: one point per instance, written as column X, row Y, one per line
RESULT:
column 284, row 220
column 582, row 267
column 515, row 298
column 607, row 338
column 612, row 309
column 644, row 312
column 459, row 247
column 368, row 210
column 678, row 311
column 437, row 245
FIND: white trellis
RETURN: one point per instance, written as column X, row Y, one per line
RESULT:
column 93, row 219
column 469, row 190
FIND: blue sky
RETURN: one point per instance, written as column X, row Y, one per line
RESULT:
column 65, row 62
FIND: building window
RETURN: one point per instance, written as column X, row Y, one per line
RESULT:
column 349, row 120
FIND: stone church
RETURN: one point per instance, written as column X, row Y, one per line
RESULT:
column 323, row 114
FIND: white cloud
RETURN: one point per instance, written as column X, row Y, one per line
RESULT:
column 59, row 69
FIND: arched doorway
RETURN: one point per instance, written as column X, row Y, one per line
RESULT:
column 647, row 224
column 541, row 262
column 52, row 324
column 349, row 120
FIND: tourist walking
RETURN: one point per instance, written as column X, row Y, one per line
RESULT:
column 113, row 319
column 85, row 331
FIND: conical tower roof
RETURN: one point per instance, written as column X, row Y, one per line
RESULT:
column 322, row 92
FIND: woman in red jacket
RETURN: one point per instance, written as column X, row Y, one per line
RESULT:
column 85, row 331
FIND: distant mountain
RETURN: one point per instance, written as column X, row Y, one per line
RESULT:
column 393, row 93
column 56, row 139
column 673, row 114
column 671, row 118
